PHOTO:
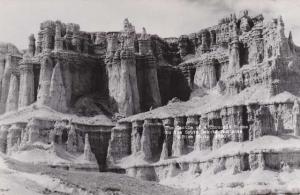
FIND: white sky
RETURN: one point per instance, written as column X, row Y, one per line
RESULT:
column 20, row 18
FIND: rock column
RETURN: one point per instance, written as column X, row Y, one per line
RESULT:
column 210, row 79
column 31, row 46
column 233, row 124
column 120, row 142
column 146, row 140
column 164, row 153
column 191, row 129
column 58, row 39
column 33, row 128
column 137, row 129
column 205, row 42
column 5, row 83
column 72, row 141
column 178, row 147
column 43, row 97
column 13, row 137
column 204, row 141
column 57, row 90
column 47, row 38
column 234, row 55
column 156, row 136
column 112, row 42
column 129, row 103
column 13, row 93
column 296, row 118
column 152, row 88
column 168, row 125
column 26, row 93
column 88, row 154
column 251, row 119
column 3, row 138
column 264, row 122
column 39, row 46
column 153, row 98
column 2, row 67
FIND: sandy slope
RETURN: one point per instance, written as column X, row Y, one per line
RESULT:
column 19, row 178
column 14, row 182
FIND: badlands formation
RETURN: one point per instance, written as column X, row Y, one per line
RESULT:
column 216, row 111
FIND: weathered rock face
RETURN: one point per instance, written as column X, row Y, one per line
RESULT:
column 148, row 60
column 179, row 147
column 57, row 91
column 168, row 126
column 164, row 153
column 72, row 140
column 120, row 143
column 33, row 129
column 43, row 97
column 13, row 138
column 146, row 141
column 3, row 138
column 10, row 64
column 296, row 118
column 88, row 154
column 243, row 75
column 147, row 74
column 70, row 70
column 129, row 96
column 13, row 93
column 121, row 72
column 136, row 134
column 26, row 93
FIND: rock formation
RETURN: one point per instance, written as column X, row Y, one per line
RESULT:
column 237, row 81
column 146, row 142
column 164, row 153
column 296, row 118
column 57, row 90
column 72, row 140
column 243, row 76
column 88, row 154
column 26, row 92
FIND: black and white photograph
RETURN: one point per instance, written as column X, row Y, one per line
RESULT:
column 150, row 97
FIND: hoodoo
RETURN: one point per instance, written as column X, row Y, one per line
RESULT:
column 220, row 101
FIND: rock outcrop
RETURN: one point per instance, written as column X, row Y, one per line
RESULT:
column 57, row 90
column 177, row 104
column 88, row 154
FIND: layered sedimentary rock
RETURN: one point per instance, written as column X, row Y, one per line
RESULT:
column 178, row 146
column 70, row 70
column 88, row 154
column 3, row 138
column 26, row 92
column 13, row 93
column 43, row 97
column 244, row 76
column 13, row 138
column 136, row 135
column 57, row 90
column 120, row 142
column 10, row 63
column 146, row 141
column 72, row 140
column 296, row 117
column 129, row 96
column 148, row 68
